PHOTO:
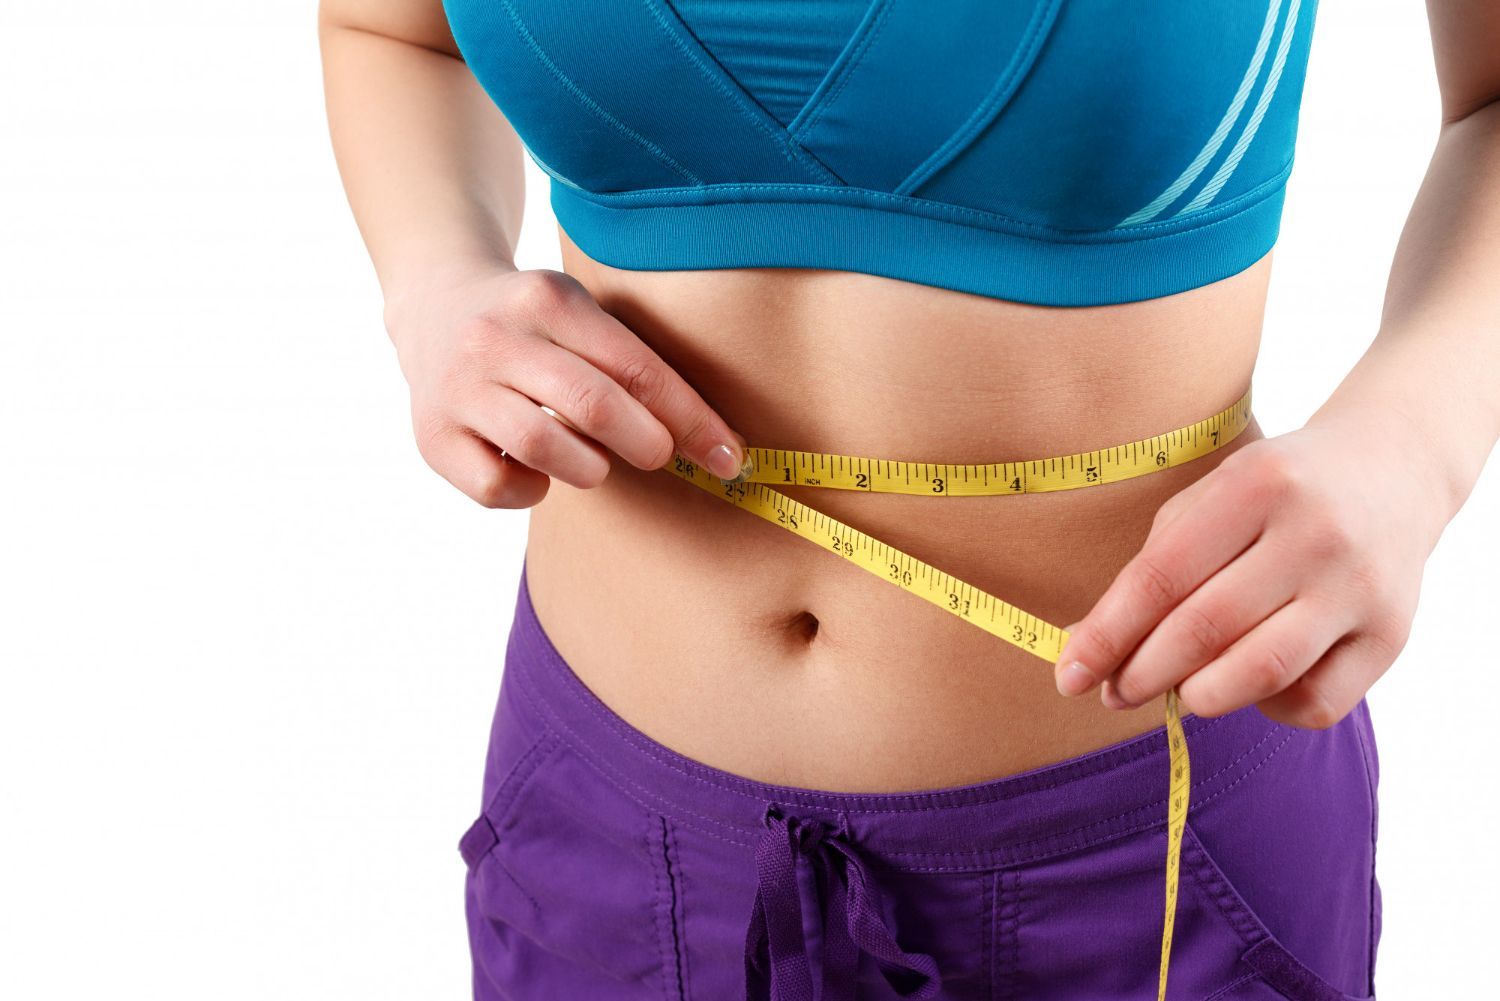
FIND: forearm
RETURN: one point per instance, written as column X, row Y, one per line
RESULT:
column 1435, row 362
column 433, row 172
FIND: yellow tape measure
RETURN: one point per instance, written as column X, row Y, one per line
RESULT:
column 752, row 492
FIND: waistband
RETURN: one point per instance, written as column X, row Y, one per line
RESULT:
column 1050, row 810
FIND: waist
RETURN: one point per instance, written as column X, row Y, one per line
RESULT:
column 863, row 365
column 1115, row 789
column 718, row 634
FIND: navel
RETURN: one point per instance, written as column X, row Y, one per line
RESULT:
column 803, row 626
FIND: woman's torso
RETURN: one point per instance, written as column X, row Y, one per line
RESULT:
column 1068, row 153
column 693, row 620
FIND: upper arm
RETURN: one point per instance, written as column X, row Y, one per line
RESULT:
column 1466, row 47
column 418, row 22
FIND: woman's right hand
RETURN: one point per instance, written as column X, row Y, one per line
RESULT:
column 483, row 352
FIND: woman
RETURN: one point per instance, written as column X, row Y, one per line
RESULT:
column 725, row 764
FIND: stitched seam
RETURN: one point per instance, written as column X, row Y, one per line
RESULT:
column 928, row 208
column 1146, row 808
column 1212, row 883
column 989, row 915
column 1018, row 894
column 1230, row 987
column 1291, row 974
column 780, row 140
column 853, row 45
column 1302, row 977
column 1066, row 772
column 1068, row 848
column 672, row 901
column 1204, row 868
column 865, row 44
column 677, row 809
column 653, row 801
column 1291, row 732
column 516, row 883
column 641, row 796
column 520, row 772
column 1020, row 66
column 1374, row 822
column 680, row 918
column 507, row 794
column 856, row 801
column 654, row 859
column 1005, row 963
column 1018, row 887
column 587, row 101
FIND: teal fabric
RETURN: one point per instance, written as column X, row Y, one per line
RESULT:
column 782, row 76
column 1061, row 152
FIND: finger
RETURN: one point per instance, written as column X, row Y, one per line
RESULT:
column 1266, row 660
column 477, row 468
column 517, row 424
column 1332, row 687
column 1203, row 625
column 593, row 403
column 1177, row 557
column 698, row 432
column 1179, row 502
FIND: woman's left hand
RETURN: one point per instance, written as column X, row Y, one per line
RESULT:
column 1286, row 577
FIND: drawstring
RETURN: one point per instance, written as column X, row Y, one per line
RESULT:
column 776, row 964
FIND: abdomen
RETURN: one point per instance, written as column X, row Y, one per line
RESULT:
column 747, row 648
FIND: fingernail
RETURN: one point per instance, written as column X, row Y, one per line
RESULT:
column 1074, row 679
column 723, row 462
column 1110, row 699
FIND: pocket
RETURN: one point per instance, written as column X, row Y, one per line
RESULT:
column 483, row 833
column 567, row 900
column 1289, row 975
column 1285, row 857
column 1087, row 925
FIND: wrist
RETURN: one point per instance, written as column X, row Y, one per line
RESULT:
column 414, row 289
column 1415, row 453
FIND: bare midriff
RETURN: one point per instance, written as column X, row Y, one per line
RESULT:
column 744, row 647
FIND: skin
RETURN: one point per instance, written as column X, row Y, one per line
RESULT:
column 1281, row 572
column 1292, row 585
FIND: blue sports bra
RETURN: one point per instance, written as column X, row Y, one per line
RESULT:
column 1061, row 152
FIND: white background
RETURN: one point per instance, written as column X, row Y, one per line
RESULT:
column 250, row 644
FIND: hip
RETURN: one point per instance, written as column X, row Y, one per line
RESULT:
column 604, row 864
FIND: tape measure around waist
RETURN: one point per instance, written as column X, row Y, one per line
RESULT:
column 753, row 492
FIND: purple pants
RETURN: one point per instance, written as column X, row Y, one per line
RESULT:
column 605, row 866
